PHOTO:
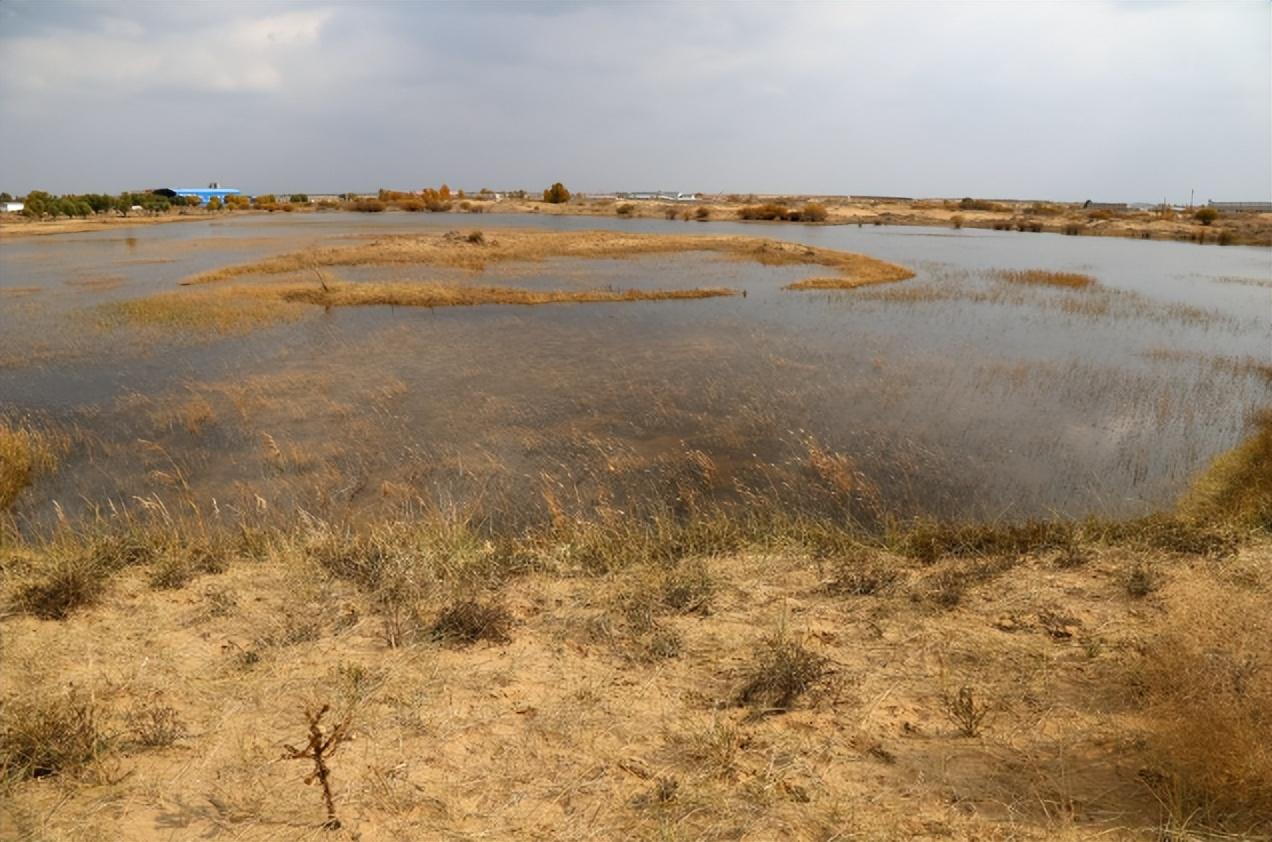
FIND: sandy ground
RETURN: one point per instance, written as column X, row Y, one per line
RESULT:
column 582, row 725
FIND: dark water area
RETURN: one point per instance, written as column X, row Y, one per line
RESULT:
column 953, row 394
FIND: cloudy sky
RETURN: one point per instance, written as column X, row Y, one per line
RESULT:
column 1117, row 101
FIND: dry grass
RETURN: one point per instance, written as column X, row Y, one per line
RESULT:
column 1206, row 685
column 235, row 309
column 1044, row 277
column 457, row 295
column 24, row 455
column 536, row 246
column 1238, row 485
column 49, row 733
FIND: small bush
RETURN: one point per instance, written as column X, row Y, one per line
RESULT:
column 67, row 581
column 155, row 725
column 626, row 209
column 1141, row 581
column 782, row 671
column 813, row 212
column 702, row 214
column 1072, row 229
column 368, row 206
column 769, row 211
column 49, row 736
column 556, row 194
column 1206, row 215
column 468, row 621
column 957, row 220
column 965, row 711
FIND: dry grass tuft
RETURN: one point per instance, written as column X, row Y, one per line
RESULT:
column 1071, row 280
column 49, row 735
column 782, row 671
column 1206, row 685
column 24, row 454
column 469, row 620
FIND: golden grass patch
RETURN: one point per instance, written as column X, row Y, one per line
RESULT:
column 236, row 309
column 475, row 253
column 1045, row 277
column 24, row 454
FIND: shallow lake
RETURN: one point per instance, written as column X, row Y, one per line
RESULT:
column 954, row 393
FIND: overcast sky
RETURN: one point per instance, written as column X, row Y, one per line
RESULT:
column 1115, row 101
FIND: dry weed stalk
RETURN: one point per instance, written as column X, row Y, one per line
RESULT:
column 321, row 747
column 965, row 711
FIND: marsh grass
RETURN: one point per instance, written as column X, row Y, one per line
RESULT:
column 1237, row 487
column 1070, row 280
column 515, row 246
column 25, row 453
column 236, row 309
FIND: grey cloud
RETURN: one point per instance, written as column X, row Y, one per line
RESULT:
column 1130, row 101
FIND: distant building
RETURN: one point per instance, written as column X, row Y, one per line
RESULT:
column 1241, row 207
column 661, row 196
column 203, row 194
column 11, row 207
column 1090, row 205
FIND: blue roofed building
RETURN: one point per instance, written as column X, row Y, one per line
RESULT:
column 203, row 194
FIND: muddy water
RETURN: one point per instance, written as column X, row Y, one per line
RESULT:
column 953, row 394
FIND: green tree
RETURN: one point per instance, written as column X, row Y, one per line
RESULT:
column 556, row 194
column 299, row 198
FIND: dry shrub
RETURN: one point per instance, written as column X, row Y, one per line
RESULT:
column 183, row 561
column 1206, row 684
column 1072, row 280
column 769, row 211
column 782, row 671
column 49, row 735
column 155, row 725
column 702, row 214
column 625, row 209
column 813, row 212
column 929, row 540
column 63, row 583
column 860, row 574
column 467, row 621
column 367, row 206
column 24, row 454
column 957, row 220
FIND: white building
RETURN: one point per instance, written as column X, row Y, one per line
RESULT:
column 11, row 207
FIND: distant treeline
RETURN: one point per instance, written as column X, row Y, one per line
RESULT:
column 39, row 204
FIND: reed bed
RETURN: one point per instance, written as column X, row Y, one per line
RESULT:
column 466, row 252
column 1045, row 277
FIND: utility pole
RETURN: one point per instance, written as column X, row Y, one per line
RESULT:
column 1191, row 194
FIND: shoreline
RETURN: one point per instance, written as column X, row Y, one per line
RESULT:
column 1251, row 229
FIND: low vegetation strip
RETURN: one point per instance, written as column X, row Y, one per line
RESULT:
column 1072, row 280
column 232, row 309
column 24, row 454
column 459, row 295
column 475, row 251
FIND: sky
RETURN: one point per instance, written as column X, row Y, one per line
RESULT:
column 1115, row 101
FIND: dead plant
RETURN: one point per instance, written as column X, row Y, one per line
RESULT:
column 321, row 747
